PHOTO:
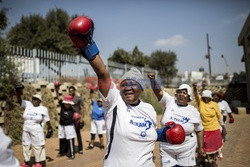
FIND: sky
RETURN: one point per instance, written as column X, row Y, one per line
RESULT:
column 180, row 26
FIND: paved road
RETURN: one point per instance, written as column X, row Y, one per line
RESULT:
column 236, row 150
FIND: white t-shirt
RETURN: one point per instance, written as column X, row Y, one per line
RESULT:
column 7, row 158
column 34, row 117
column 134, row 132
column 187, row 116
column 224, row 107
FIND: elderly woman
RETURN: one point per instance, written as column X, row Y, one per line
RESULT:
column 34, row 115
column 212, row 120
column 131, row 123
column 7, row 157
column 224, row 106
column 179, row 111
column 66, row 128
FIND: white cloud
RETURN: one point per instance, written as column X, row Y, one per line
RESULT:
column 237, row 18
column 174, row 41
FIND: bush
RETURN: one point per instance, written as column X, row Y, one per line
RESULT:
column 8, row 78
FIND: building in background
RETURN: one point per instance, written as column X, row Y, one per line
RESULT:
column 244, row 41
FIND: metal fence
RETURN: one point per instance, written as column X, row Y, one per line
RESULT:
column 38, row 64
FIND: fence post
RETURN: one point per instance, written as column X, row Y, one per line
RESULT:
column 156, row 74
column 78, row 67
column 142, row 71
column 34, row 54
column 125, row 68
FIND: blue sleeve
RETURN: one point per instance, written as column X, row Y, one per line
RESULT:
column 161, row 134
column 94, row 103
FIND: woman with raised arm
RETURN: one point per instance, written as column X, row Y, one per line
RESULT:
column 212, row 120
column 97, row 125
column 35, row 116
column 131, row 123
column 179, row 111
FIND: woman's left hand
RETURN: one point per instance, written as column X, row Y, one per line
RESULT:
column 202, row 152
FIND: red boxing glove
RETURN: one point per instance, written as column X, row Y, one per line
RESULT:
column 231, row 120
column 19, row 89
column 81, row 31
column 175, row 133
column 57, row 85
column 77, row 118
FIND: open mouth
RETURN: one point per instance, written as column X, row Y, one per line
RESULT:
column 128, row 94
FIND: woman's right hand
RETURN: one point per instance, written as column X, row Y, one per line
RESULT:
column 195, row 85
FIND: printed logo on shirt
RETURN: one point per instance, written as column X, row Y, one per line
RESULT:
column 143, row 134
column 166, row 162
column 32, row 114
column 180, row 119
column 143, row 124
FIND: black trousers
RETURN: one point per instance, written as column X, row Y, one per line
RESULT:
column 63, row 146
column 71, row 146
column 79, row 138
column 67, row 147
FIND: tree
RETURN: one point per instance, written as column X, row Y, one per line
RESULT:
column 3, row 19
column 28, row 33
column 48, row 33
column 56, row 33
column 8, row 70
column 138, row 57
column 8, row 77
column 135, row 58
column 164, row 62
column 121, row 56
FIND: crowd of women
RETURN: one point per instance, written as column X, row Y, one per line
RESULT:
column 131, row 129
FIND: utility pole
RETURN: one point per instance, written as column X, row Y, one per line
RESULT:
column 208, row 56
column 227, row 66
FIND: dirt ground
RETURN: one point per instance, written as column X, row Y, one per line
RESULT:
column 235, row 151
column 89, row 158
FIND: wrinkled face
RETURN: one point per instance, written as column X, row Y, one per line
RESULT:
column 206, row 99
column 182, row 97
column 72, row 92
column 130, row 91
column 216, row 98
column 35, row 101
